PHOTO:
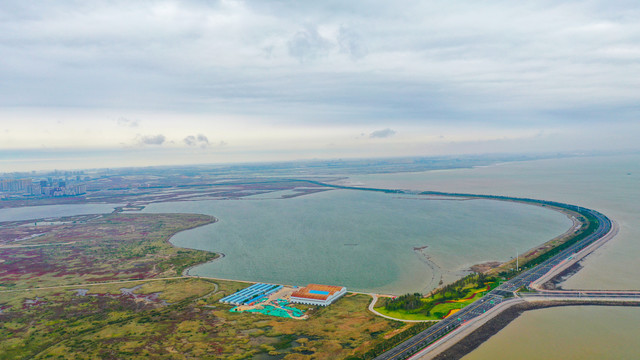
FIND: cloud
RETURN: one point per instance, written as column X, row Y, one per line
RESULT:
column 416, row 60
column 203, row 139
column 351, row 42
column 300, row 64
column 151, row 139
column 308, row 44
column 385, row 133
column 198, row 140
column 122, row 121
column 190, row 140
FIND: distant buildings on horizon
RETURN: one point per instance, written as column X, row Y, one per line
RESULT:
column 42, row 188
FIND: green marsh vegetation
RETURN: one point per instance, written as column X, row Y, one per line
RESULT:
column 441, row 301
column 115, row 290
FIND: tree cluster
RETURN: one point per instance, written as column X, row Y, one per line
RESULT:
column 405, row 302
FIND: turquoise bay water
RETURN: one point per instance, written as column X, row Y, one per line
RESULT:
column 363, row 240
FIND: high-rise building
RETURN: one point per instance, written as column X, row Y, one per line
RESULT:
column 14, row 185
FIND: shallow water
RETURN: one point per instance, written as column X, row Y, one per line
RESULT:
column 362, row 240
column 47, row 211
column 577, row 332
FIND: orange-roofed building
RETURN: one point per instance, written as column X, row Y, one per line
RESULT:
column 314, row 294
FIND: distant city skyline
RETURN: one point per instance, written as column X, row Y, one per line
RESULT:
column 108, row 84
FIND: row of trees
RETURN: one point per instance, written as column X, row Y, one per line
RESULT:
column 456, row 288
column 579, row 235
column 405, row 302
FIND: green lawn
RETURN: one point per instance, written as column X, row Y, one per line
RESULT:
column 404, row 315
column 439, row 310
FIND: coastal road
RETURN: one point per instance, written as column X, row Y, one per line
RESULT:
column 608, row 295
column 504, row 295
column 506, row 291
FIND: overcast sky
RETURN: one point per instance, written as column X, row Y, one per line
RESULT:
column 164, row 82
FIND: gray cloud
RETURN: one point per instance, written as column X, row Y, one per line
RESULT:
column 384, row 133
column 190, row 140
column 151, row 139
column 203, row 139
column 503, row 65
column 198, row 140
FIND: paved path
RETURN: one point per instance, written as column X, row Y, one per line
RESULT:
column 211, row 293
column 373, row 310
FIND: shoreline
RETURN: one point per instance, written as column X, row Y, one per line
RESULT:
column 185, row 272
column 421, row 253
column 437, row 271
column 219, row 255
column 470, row 341
column 442, row 344
column 532, row 253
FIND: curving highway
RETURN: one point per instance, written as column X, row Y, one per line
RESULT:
column 507, row 290
column 504, row 295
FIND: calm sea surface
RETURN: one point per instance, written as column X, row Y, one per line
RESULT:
column 608, row 184
column 572, row 333
column 363, row 240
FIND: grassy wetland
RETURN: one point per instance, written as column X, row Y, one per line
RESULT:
column 110, row 286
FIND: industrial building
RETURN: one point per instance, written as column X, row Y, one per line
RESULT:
column 251, row 295
column 314, row 294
